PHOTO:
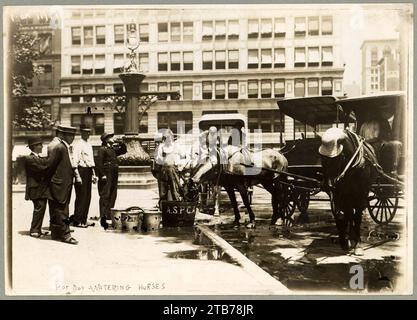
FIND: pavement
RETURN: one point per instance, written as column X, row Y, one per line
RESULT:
column 115, row 263
column 182, row 262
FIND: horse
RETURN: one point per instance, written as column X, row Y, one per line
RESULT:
column 239, row 169
column 347, row 164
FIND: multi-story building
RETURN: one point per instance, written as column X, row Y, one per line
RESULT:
column 380, row 65
column 219, row 60
column 389, row 71
column 47, row 28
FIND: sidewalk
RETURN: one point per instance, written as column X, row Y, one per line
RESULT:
column 113, row 263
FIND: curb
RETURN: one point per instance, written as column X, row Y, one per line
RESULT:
column 266, row 280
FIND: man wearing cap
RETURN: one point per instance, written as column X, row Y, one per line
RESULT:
column 84, row 160
column 62, row 177
column 36, row 185
column 108, row 174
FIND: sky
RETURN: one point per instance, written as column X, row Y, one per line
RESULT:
column 359, row 24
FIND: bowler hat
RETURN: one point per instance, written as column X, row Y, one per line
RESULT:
column 34, row 141
column 65, row 129
column 105, row 136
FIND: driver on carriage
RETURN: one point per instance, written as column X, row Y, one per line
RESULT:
column 378, row 134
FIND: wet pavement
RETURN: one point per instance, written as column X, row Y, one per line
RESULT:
column 307, row 257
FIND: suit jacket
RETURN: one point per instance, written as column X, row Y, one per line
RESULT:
column 60, row 172
column 107, row 158
column 36, row 179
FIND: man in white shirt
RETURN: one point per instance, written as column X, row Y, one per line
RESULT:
column 168, row 158
column 84, row 160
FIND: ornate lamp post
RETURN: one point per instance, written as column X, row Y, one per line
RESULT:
column 132, row 78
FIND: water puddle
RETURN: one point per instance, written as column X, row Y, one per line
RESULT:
column 309, row 258
column 205, row 249
column 207, row 254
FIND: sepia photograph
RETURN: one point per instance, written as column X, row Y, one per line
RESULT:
column 208, row 150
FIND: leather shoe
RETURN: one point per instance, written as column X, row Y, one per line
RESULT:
column 80, row 225
column 35, row 234
column 104, row 223
column 70, row 241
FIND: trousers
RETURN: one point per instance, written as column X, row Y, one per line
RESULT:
column 59, row 213
column 83, row 195
column 39, row 207
column 107, row 191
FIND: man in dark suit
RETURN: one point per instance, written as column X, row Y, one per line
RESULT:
column 36, row 185
column 61, row 181
column 108, row 174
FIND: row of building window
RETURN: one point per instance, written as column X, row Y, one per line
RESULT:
column 217, row 30
column 265, row 120
column 211, row 60
column 265, row 88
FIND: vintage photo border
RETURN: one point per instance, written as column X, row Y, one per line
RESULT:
column 5, row 224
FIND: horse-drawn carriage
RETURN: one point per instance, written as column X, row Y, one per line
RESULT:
column 305, row 170
column 224, row 123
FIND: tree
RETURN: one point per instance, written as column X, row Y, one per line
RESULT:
column 29, row 113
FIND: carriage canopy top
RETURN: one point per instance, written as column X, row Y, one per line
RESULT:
column 222, row 120
column 373, row 107
column 315, row 110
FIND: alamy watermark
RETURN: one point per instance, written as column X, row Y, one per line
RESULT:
column 356, row 281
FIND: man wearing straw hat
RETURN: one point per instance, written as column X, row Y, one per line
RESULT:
column 60, row 187
column 36, row 185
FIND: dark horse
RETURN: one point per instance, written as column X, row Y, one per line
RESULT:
column 348, row 172
column 234, row 174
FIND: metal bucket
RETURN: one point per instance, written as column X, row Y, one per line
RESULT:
column 116, row 218
column 151, row 221
column 132, row 219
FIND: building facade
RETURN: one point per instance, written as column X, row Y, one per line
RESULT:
column 380, row 65
column 47, row 28
column 220, row 61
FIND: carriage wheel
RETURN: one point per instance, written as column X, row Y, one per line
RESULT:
column 303, row 200
column 382, row 207
column 288, row 204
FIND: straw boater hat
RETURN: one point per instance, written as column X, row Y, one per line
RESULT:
column 88, row 130
column 329, row 143
column 65, row 129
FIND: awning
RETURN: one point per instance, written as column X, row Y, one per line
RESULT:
column 313, row 55
column 300, row 55
column 253, row 26
column 266, row 56
column 279, row 55
column 87, row 63
column 266, row 26
column 280, row 25
column 233, row 27
column 327, row 54
column 100, row 63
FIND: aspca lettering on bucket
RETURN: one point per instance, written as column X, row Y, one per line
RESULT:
column 180, row 210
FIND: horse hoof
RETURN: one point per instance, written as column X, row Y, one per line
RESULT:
column 251, row 225
column 358, row 252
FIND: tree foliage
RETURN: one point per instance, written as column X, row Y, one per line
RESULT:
column 29, row 113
